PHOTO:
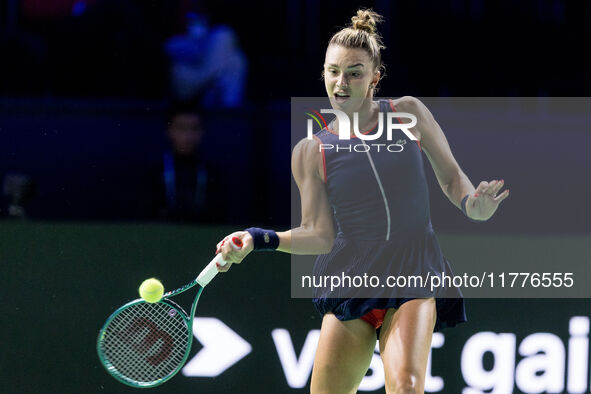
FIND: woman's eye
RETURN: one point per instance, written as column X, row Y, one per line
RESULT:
column 332, row 72
column 355, row 74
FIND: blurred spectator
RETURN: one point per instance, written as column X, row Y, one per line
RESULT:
column 185, row 187
column 206, row 63
column 19, row 189
column 54, row 9
column 87, row 47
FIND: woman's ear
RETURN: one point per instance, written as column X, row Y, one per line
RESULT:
column 376, row 78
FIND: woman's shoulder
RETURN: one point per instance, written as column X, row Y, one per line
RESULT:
column 405, row 104
column 414, row 106
column 306, row 148
column 306, row 158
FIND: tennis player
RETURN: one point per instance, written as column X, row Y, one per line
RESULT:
column 379, row 202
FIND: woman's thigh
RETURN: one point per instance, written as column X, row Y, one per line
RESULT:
column 345, row 349
column 405, row 341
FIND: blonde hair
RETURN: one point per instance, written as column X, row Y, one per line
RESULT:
column 363, row 34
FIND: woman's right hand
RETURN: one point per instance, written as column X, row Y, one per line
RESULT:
column 230, row 253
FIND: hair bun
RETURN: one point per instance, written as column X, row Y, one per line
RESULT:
column 366, row 20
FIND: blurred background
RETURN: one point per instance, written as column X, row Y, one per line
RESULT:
column 128, row 128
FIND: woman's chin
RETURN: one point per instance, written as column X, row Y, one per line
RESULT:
column 340, row 102
column 347, row 104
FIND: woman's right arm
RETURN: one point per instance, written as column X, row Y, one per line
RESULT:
column 316, row 233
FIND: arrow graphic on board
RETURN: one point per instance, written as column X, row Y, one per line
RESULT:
column 222, row 348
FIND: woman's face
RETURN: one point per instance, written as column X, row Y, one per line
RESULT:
column 348, row 72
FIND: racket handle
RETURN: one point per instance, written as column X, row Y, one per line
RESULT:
column 210, row 271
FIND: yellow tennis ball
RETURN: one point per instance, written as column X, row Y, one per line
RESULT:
column 151, row 290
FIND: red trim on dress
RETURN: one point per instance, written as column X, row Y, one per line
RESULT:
column 323, row 157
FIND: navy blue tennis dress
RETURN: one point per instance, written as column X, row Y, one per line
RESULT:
column 380, row 203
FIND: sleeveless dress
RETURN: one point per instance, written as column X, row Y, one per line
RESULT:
column 380, row 201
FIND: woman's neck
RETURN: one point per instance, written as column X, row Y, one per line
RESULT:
column 368, row 117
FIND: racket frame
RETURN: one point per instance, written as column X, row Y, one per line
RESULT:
column 206, row 275
column 166, row 301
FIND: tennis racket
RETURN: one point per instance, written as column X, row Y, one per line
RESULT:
column 145, row 344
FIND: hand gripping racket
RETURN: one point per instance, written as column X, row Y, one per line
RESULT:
column 145, row 344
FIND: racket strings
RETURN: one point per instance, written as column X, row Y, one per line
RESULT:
column 145, row 342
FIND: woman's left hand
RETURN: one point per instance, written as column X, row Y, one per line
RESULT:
column 484, row 202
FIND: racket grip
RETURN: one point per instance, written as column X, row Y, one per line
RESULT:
column 210, row 271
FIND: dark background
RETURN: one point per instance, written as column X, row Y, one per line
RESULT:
column 82, row 98
column 82, row 111
column 449, row 48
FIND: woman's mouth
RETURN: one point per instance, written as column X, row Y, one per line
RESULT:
column 341, row 97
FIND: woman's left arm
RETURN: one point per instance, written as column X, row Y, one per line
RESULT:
column 482, row 202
